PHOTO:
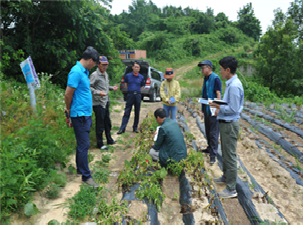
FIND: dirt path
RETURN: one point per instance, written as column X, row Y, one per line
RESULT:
column 184, row 69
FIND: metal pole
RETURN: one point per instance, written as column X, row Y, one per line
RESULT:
column 32, row 96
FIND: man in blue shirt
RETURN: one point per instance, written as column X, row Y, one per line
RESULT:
column 78, row 100
column 134, row 81
column 211, row 89
column 228, row 117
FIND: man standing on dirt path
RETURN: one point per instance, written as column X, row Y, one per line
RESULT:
column 99, row 86
column 170, row 92
column 170, row 144
column 211, row 89
column 133, row 81
column 78, row 100
column 228, row 116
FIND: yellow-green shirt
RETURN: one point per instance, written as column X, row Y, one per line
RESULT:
column 170, row 89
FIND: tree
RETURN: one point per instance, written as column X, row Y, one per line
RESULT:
column 53, row 33
column 280, row 54
column 295, row 12
column 248, row 23
column 138, row 17
column 204, row 23
column 221, row 21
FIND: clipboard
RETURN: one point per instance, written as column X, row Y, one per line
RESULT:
column 220, row 102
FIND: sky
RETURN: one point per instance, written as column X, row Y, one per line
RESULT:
column 263, row 9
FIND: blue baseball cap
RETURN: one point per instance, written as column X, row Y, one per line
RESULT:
column 103, row 60
column 205, row 62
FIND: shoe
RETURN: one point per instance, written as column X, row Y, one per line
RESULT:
column 111, row 142
column 136, row 131
column 91, row 182
column 225, row 194
column 103, row 148
column 99, row 145
column 212, row 160
column 220, row 180
column 120, row 132
column 205, row 151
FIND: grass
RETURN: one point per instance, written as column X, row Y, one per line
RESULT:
column 82, row 204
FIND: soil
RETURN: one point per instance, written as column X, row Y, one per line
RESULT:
column 277, row 182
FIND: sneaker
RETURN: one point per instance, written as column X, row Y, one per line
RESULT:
column 225, row 194
column 220, row 180
column 91, row 182
column 103, row 148
column 212, row 160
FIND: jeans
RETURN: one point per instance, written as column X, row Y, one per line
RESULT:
column 170, row 111
column 81, row 126
column 229, row 136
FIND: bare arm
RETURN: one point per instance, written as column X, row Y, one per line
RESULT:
column 218, row 93
column 68, row 98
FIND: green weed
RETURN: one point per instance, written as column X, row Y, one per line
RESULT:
column 52, row 191
column 82, row 204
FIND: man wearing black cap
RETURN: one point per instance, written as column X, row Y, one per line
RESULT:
column 78, row 102
column 211, row 89
column 99, row 86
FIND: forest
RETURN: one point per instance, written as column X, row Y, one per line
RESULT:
column 55, row 33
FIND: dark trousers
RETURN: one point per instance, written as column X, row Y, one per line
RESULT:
column 103, row 123
column 212, row 134
column 81, row 126
column 131, row 99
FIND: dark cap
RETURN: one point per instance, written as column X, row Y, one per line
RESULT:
column 205, row 62
column 103, row 60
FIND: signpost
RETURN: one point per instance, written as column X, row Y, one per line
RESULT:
column 31, row 78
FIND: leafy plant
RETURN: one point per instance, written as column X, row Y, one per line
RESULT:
column 127, row 176
column 101, row 175
column 52, row 191
column 30, row 209
column 82, row 203
column 58, row 178
column 34, row 143
column 106, row 158
column 111, row 213
column 151, row 192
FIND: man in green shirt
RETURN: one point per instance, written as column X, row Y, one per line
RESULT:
column 170, row 142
